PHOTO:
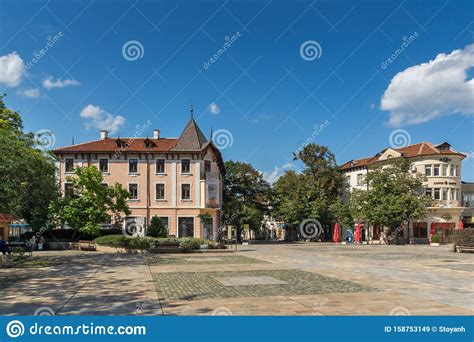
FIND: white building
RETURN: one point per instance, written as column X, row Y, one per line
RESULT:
column 442, row 168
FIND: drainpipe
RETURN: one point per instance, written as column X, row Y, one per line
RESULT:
column 147, row 191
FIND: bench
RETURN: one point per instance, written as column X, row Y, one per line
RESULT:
column 461, row 249
column 87, row 246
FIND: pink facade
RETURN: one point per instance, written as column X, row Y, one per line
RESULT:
column 174, row 179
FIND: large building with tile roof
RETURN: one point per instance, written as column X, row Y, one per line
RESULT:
column 442, row 167
column 176, row 179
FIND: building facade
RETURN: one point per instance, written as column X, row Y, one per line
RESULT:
column 176, row 179
column 442, row 168
column 467, row 190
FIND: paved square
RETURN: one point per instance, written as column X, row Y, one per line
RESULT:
column 285, row 279
column 246, row 280
column 202, row 259
column 202, row 285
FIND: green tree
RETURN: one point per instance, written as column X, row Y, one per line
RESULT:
column 246, row 196
column 157, row 229
column 394, row 196
column 27, row 173
column 92, row 203
column 311, row 193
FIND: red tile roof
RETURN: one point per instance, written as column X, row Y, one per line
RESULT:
column 109, row 145
column 410, row 151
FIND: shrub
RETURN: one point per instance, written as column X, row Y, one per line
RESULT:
column 188, row 244
column 435, row 239
column 157, row 229
column 69, row 235
column 150, row 243
column 216, row 245
column 464, row 237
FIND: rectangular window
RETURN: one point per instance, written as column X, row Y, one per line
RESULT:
column 160, row 191
column 456, row 171
column 104, row 165
column 185, row 166
column 437, row 193
column 133, row 190
column 445, row 170
column 207, row 166
column 160, row 166
column 133, row 166
column 185, row 227
column 427, row 170
column 429, row 192
column 359, row 178
column 436, row 170
column 68, row 189
column 445, row 194
column 69, row 165
column 185, row 191
column 452, row 169
column 454, row 194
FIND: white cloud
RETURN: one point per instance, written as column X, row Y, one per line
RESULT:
column 430, row 90
column 31, row 93
column 101, row 119
column 12, row 69
column 272, row 176
column 49, row 83
column 214, row 108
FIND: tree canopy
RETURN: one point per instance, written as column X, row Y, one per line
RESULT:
column 394, row 196
column 27, row 173
column 311, row 193
column 91, row 203
column 246, row 196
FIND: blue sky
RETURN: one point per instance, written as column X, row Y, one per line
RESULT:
column 266, row 94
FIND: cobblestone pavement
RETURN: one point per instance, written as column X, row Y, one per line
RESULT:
column 291, row 279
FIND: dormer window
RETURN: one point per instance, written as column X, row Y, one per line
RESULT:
column 120, row 143
column 148, row 143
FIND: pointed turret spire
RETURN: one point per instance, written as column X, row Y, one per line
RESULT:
column 192, row 111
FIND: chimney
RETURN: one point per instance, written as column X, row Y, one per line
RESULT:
column 156, row 134
column 104, row 134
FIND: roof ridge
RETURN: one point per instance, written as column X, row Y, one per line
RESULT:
column 86, row 142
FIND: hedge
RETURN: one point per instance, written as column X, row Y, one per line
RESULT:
column 69, row 235
column 152, row 244
column 464, row 237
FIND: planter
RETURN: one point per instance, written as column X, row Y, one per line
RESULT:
column 58, row 245
column 434, row 244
